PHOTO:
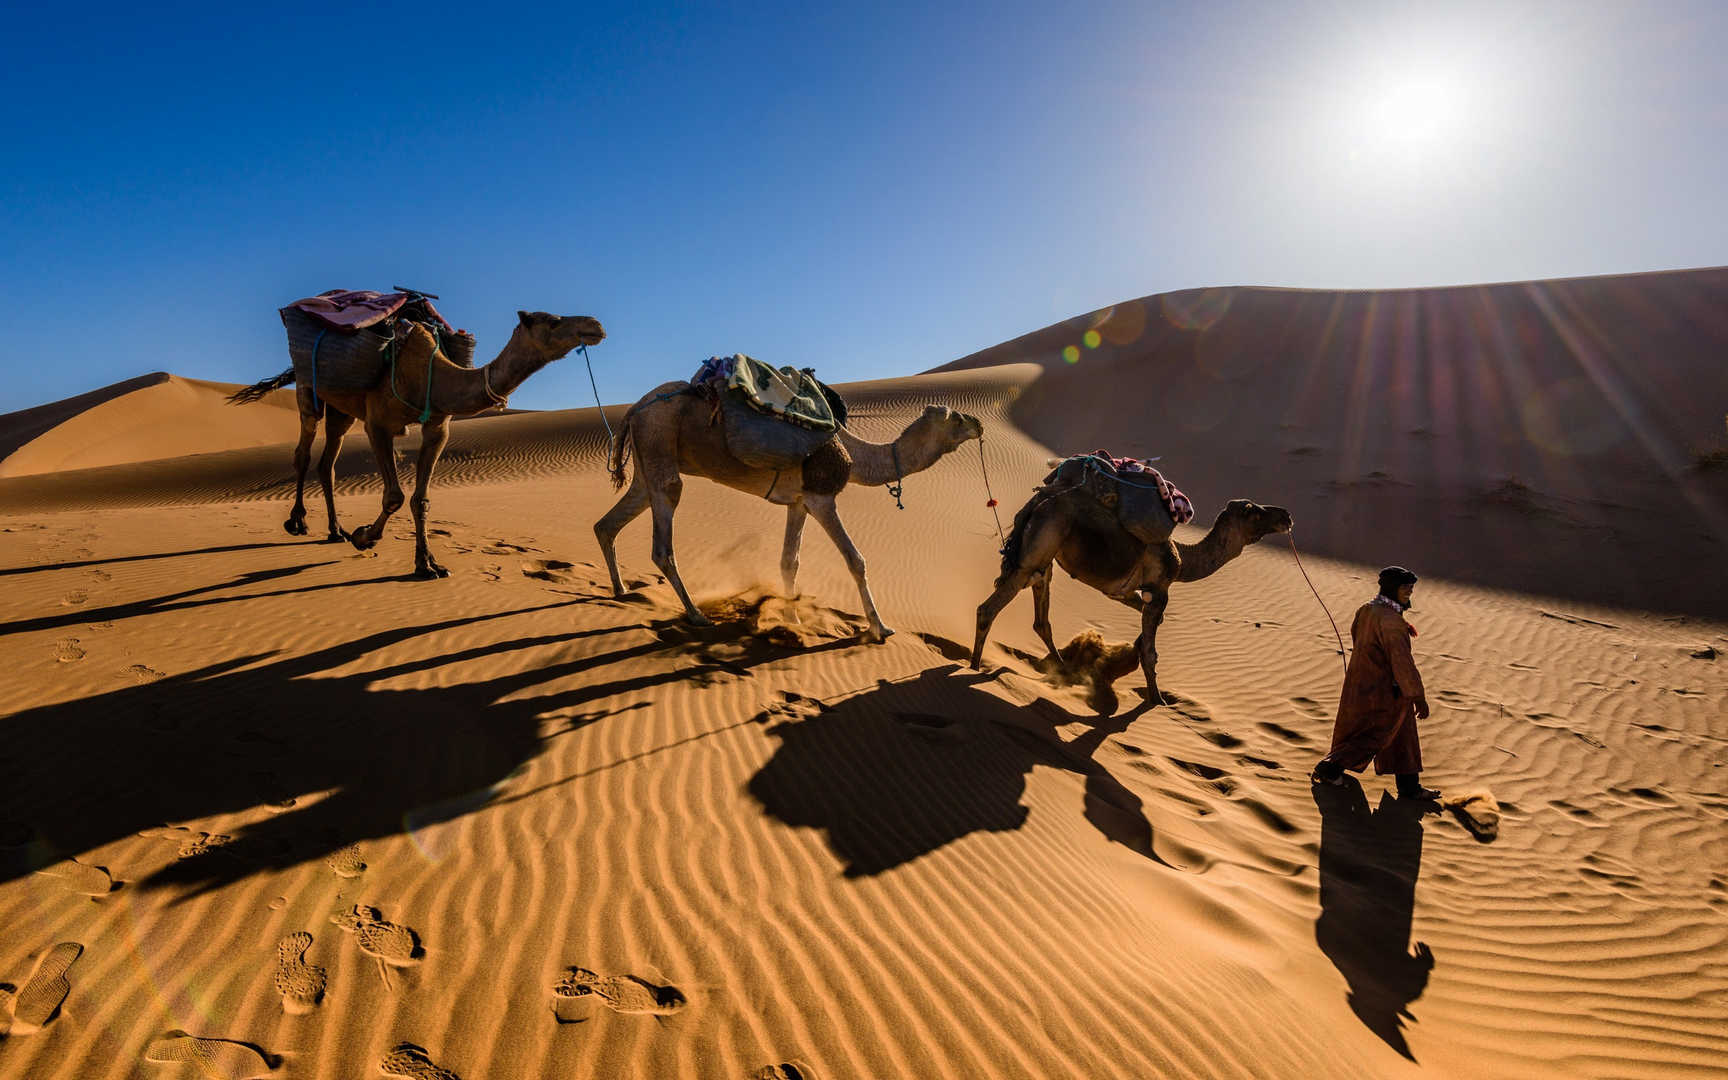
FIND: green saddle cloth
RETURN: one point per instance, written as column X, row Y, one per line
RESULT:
column 786, row 392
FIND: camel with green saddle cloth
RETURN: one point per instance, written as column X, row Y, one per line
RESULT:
column 776, row 433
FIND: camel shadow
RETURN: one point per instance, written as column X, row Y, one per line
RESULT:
column 265, row 730
column 901, row 771
column 1369, row 862
column 222, row 549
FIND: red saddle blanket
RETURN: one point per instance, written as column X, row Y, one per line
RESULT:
column 350, row 310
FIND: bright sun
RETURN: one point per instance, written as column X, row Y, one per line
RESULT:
column 1416, row 115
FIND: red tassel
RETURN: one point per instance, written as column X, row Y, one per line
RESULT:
column 991, row 504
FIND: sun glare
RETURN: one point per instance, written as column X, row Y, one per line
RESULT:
column 1415, row 114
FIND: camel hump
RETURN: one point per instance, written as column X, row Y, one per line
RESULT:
column 828, row 469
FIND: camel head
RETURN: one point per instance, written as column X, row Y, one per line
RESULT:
column 552, row 336
column 945, row 428
column 1253, row 520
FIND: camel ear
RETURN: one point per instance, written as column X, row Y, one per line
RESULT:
column 523, row 318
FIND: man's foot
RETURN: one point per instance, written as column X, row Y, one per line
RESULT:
column 1417, row 791
column 1318, row 777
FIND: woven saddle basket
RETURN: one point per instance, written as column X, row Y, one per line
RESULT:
column 328, row 359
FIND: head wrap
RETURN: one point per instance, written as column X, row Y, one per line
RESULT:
column 1393, row 578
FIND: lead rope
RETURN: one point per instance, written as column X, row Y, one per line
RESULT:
column 610, row 438
column 1322, row 603
column 991, row 495
column 899, row 483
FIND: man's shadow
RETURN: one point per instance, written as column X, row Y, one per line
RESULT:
column 1369, row 862
column 902, row 770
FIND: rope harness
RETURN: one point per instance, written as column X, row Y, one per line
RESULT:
column 1341, row 657
column 610, row 438
column 990, row 495
column 426, row 409
column 899, row 483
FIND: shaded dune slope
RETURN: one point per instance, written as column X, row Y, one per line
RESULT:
column 1548, row 436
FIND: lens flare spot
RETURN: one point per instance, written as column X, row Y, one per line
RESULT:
column 1071, row 354
column 1091, row 339
column 1195, row 309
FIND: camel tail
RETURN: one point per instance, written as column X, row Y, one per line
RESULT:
column 1016, row 538
column 618, row 456
column 259, row 390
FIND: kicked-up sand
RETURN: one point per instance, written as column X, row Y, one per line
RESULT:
column 270, row 807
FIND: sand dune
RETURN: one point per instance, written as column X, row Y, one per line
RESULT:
column 1541, row 436
column 144, row 419
column 269, row 807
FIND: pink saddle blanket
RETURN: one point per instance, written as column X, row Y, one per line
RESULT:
column 350, row 310
column 1134, row 470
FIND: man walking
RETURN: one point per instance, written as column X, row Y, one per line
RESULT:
column 1383, row 696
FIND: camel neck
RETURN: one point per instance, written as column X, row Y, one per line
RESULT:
column 874, row 464
column 1203, row 559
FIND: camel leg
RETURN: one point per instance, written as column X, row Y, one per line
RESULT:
column 296, row 523
column 1041, row 613
column 624, row 511
column 822, row 507
column 336, row 425
column 796, row 513
column 664, row 492
column 384, row 449
column 1037, row 551
column 433, row 435
column 1157, row 596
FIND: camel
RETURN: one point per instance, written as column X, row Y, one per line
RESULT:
column 1071, row 528
column 387, row 411
column 672, row 435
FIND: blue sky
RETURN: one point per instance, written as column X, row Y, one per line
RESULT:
column 870, row 190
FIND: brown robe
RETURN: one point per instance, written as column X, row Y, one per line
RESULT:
column 1377, row 710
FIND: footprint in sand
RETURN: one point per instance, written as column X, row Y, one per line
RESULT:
column 145, row 674
column 192, row 842
column 346, row 862
column 389, row 944
column 74, row 598
column 549, row 570
column 406, row 1059
column 42, row 996
column 943, row 730
column 67, row 650
column 789, row 1070
column 80, row 877
column 300, row 984
column 505, row 547
column 1285, row 733
column 218, row 1059
column 620, row 993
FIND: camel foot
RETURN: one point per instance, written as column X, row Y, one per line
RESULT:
column 1153, row 697
column 876, row 635
column 337, row 536
column 362, row 538
column 295, row 526
column 696, row 618
column 429, row 570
